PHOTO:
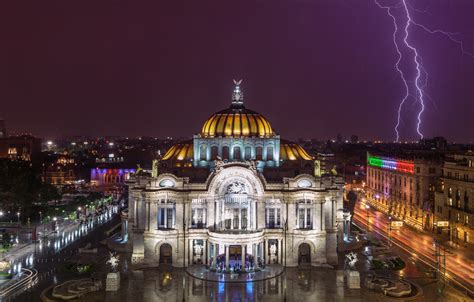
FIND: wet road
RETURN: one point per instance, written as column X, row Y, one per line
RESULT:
column 459, row 268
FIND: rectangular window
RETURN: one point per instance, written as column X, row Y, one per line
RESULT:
column 248, row 153
column 258, row 154
column 198, row 218
column 161, row 217
column 269, row 153
column 271, row 218
column 244, row 219
column 308, row 218
column 237, row 155
column 214, row 152
column 169, row 218
column 202, row 152
column 236, row 218
column 225, row 152
column 301, row 218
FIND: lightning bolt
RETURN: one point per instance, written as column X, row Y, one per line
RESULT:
column 421, row 77
column 397, row 67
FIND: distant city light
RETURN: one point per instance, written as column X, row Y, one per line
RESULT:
column 49, row 143
column 111, row 144
column 111, row 155
column 73, row 143
column 86, row 143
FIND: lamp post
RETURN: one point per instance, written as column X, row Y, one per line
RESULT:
column 367, row 207
column 184, row 251
column 390, row 230
column 18, row 215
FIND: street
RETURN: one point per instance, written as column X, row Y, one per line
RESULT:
column 50, row 254
column 459, row 266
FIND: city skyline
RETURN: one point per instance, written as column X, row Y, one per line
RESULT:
column 83, row 71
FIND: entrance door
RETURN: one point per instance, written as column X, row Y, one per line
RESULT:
column 165, row 253
column 304, row 254
column 235, row 251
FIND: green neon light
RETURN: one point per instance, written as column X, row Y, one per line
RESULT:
column 375, row 161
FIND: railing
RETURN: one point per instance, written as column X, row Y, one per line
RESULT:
column 28, row 279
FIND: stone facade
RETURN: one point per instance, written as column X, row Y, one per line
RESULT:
column 454, row 202
column 207, row 219
column 403, row 185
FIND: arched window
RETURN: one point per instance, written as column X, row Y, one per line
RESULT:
column 225, row 152
column 258, row 153
column 237, row 155
column 214, row 152
column 202, row 152
column 248, row 153
column 269, row 153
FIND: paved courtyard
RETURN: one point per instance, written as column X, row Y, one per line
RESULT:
column 166, row 284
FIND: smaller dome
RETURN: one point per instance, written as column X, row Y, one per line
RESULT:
column 180, row 152
column 293, row 151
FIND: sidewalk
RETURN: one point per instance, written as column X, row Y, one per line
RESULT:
column 21, row 249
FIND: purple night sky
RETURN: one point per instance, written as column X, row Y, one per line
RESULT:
column 314, row 68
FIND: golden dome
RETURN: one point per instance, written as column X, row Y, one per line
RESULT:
column 237, row 121
column 293, row 151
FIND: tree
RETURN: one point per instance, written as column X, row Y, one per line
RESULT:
column 48, row 192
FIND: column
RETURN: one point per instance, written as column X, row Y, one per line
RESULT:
column 165, row 223
column 267, row 251
column 254, row 254
column 317, row 216
column 249, row 215
column 190, row 251
column 227, row 258
column 148, row 216
column 154, row 216
column 207, row 246
column 222, row 214
column 243, row 256
column 322, row 218
column 239, row 224
column 213, row 255
column 280, row 254
column 254, row 215
column 174, row 219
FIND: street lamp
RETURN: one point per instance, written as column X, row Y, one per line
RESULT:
column 367, row 207
column 18, row 215
column 390, row 230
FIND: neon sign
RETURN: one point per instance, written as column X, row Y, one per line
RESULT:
column 392, row 164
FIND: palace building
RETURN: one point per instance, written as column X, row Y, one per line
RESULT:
column 235, row 198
